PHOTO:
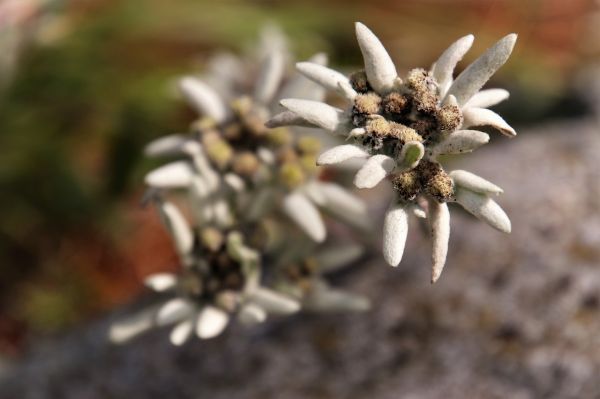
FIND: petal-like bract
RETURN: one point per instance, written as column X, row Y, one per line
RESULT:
column 444, row 66
column 439, row 222
column 374, row 171
column 204, row 99
column 395, row 229
column 470, row 181
column 484, row 117
column 478, row 73
column 484, row 208
column 379, row 67
column 306, row 215
column 341, row 153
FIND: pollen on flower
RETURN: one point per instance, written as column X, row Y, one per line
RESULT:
column 403, row 133
column 367, row 104
column 292, row 174
column 359, row 82
column 395, row 104
column 217, row 149
column 449, row 117
column 437, row 183
column 407, row 185
column 245, row 164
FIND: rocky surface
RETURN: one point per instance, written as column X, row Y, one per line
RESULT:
column 513, row 316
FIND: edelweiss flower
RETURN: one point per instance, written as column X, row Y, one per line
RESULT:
column 221, row 277
column 402, row 126
column 231, row 150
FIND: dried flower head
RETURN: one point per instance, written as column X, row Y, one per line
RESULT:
column 401, row 127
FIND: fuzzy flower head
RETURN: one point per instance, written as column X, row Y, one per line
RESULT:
column 402, row 126
column 230, row 205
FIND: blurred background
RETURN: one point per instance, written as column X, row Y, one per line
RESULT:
column 84, row 84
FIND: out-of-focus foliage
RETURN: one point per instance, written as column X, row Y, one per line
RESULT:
column 94, row 84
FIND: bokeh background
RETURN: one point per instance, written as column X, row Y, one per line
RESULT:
column 84, row 84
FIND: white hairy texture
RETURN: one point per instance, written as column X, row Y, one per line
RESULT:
column 326, row 77
column 341, row 203
column 412, row 152
column 319, row 114
column 470, row 181
column 173, row 311
column 178, row 228
column 332, row 259
column 373, row 171
column 273, row 302
column 172, row 175
column 341, row 153
column 301, row 87
column 322, row 298
column 346, row 90
column 165, row 146
column 305, row 214
column 211, row 322
column 444, row 66
column 395, row 229
column 487, row 98
column 161, row 282
column 203, row 98
column 461, row 141
column 379, row 67
column 124, row 330
column 439, row 222
column 269, row 78
column 478, row 73
column 484, row 208
column 252, row 314
column 288, row 118
column 182, row 332
column 484, row 117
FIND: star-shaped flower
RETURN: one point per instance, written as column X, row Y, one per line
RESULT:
column 402, row 127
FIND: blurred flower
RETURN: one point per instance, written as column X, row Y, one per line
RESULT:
column 245, row 185
column 402, row 127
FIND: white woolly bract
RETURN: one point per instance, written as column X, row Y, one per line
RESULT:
column 487, row 98
column 470, row 181
column 484, row 208
column 326, row 77
column 173, row 175
column 395, row 229
column 319, row 114
column 305, row 214
column 373, row 171
column 341, row 153
column 203, row 98
column 444, row 67
column 211, row 322
column 461, row 141
column 479, row 72
column 439, row 222
column 484, row 117
column 379, row 67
